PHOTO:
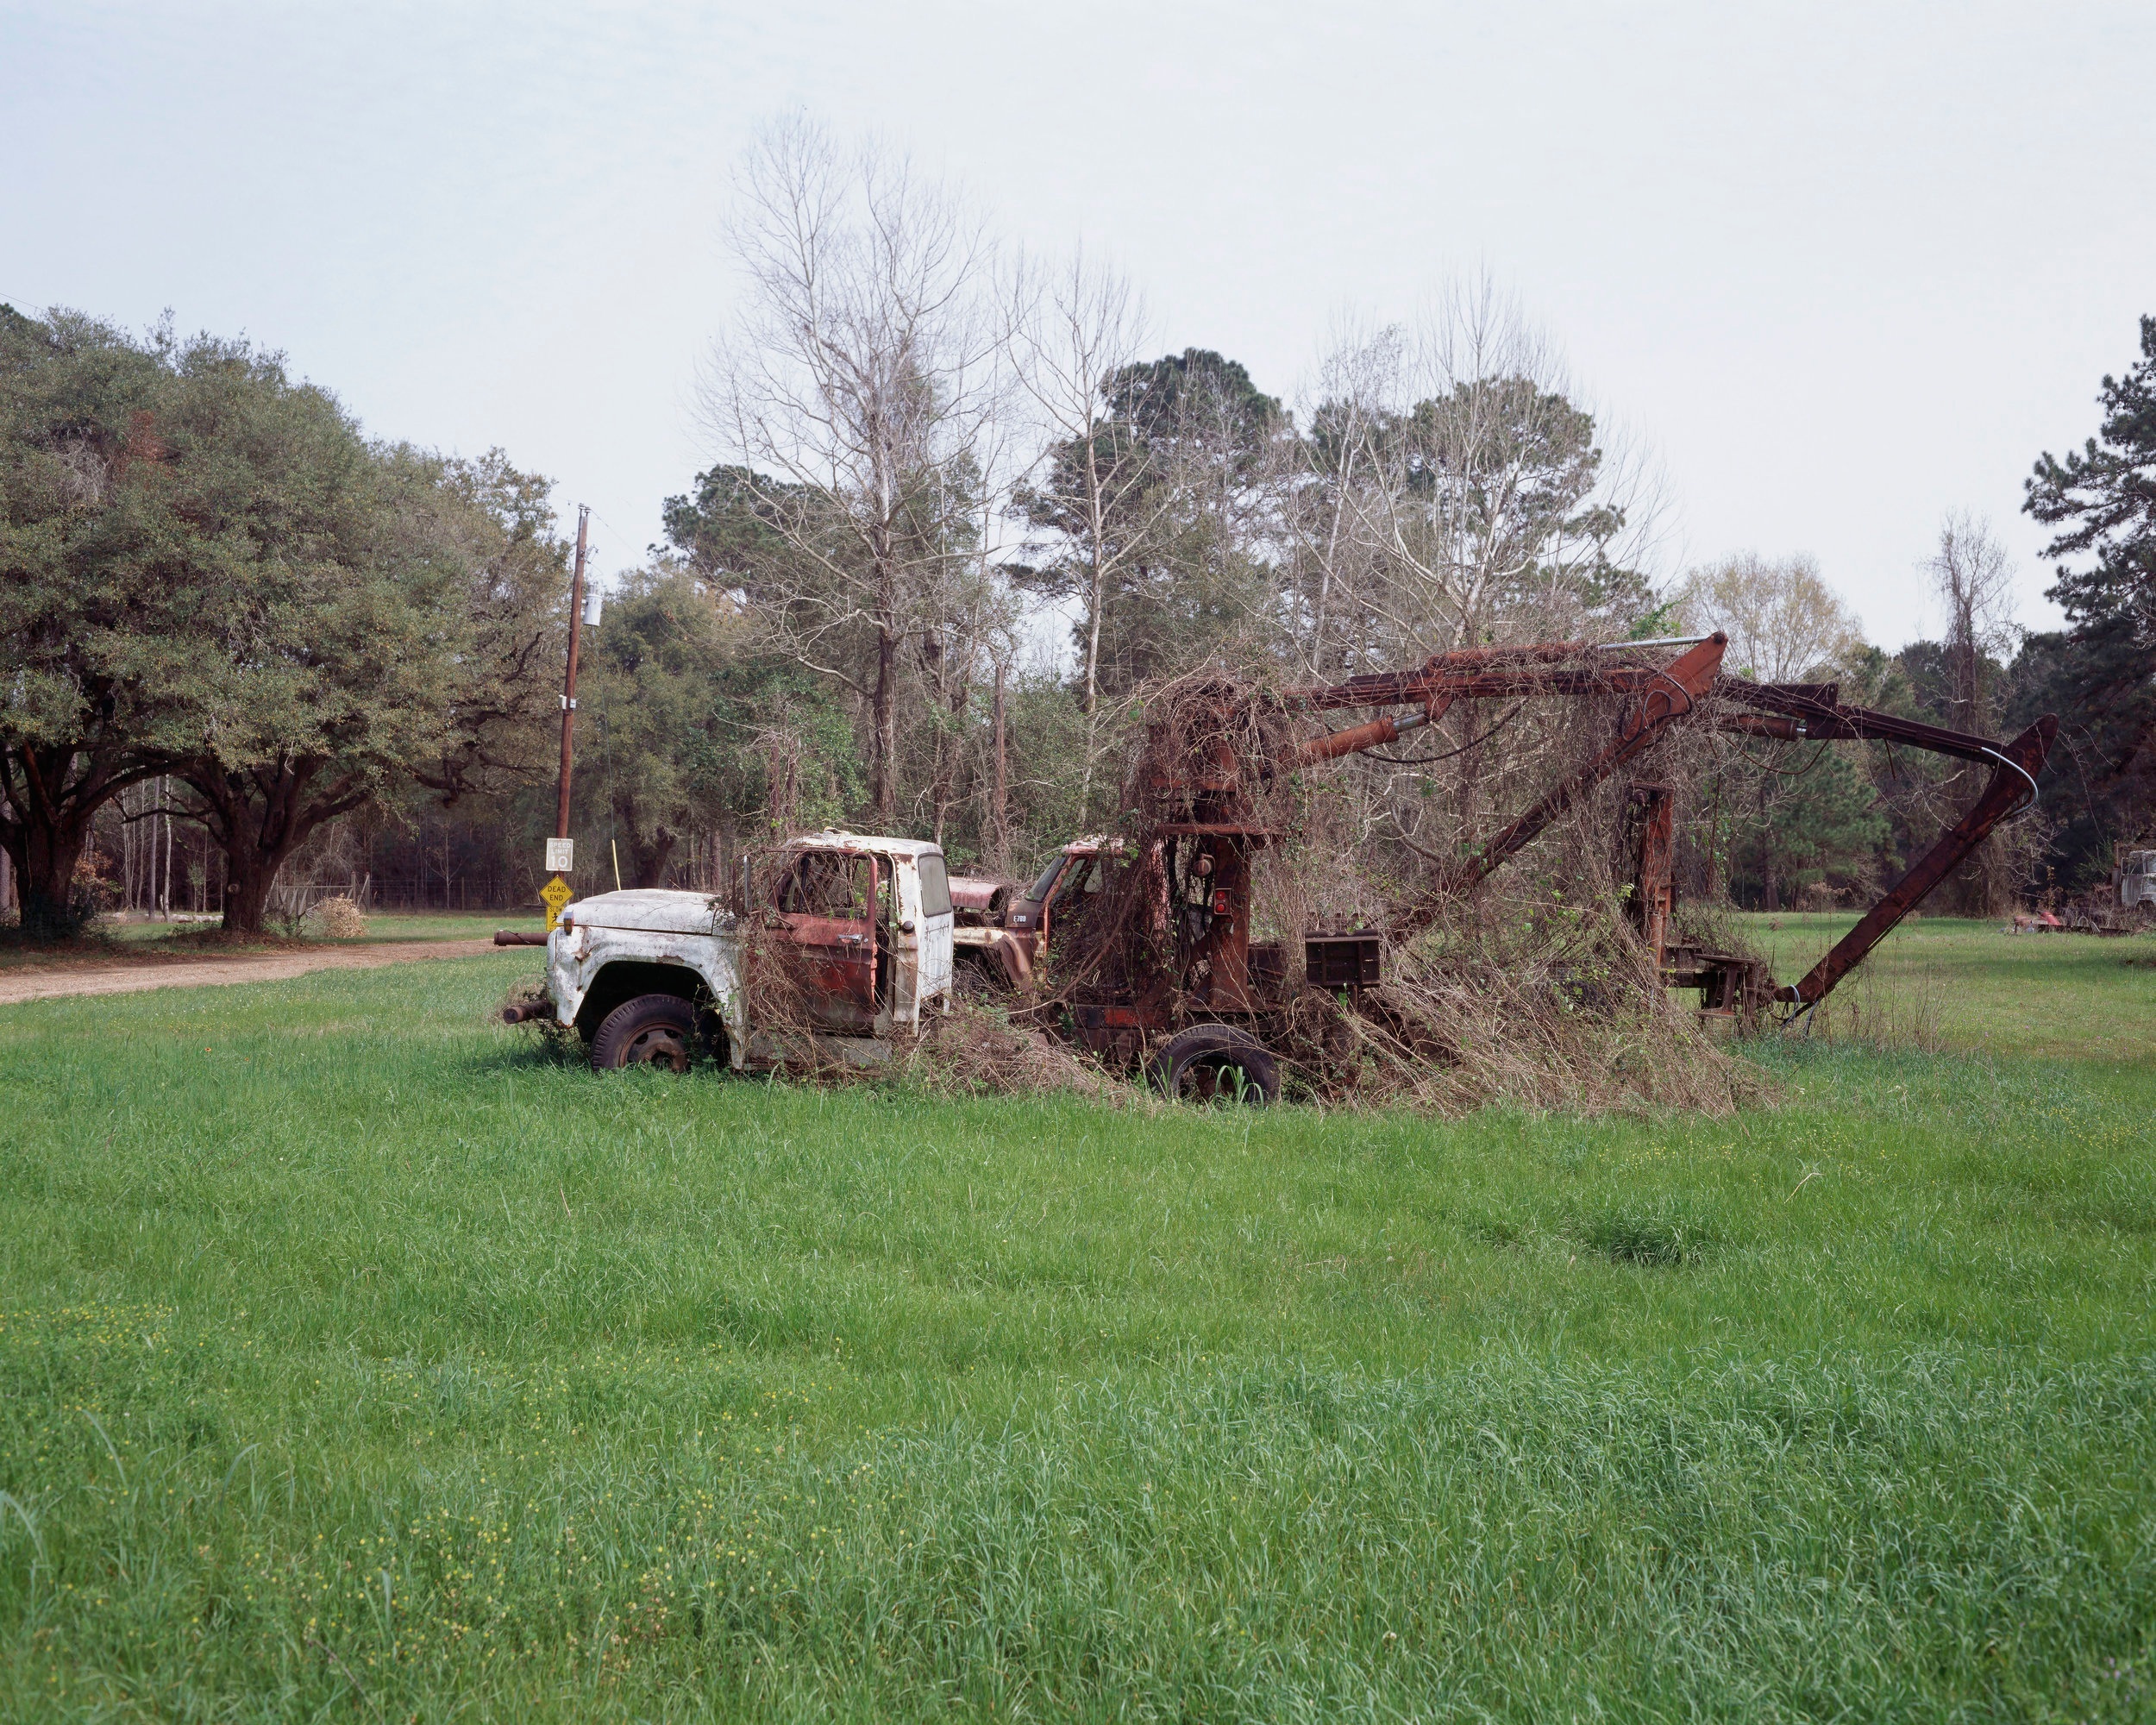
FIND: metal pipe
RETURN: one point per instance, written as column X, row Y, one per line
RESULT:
column 1356, row 738
column 2023, row 771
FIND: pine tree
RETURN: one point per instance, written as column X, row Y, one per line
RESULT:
column 2103, row 667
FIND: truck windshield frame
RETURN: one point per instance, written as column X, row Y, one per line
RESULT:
column 935, row 883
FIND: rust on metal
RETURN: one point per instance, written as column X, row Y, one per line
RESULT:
column 1653, row 810
column 1667, row 696
column 1811, row 711
column 2013, row 786
column 1140, row 938
column 972, row 892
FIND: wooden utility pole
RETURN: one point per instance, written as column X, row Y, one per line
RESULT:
column 568, row 688
column 557, row 891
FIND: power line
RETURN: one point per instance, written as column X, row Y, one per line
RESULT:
column 631, row 554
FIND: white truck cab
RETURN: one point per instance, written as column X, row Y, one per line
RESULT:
column 647, row 976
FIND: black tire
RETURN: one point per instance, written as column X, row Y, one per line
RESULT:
column 651, row 1029
column 1212, row 1062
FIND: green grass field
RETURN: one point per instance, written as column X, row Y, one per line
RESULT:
column 357, row 1360
column 2068, row 996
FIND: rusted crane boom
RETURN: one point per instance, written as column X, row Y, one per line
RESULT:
column 1814, row 711
column 1175, row 954
column 1549, row 667
column 2013, row 787
column 1666, row 695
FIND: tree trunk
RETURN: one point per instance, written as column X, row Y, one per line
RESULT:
column 1094, row 597
column 649, row 857
column 249, row 875
column 999, row 807
column 55, row 794
column 258, row 817
column 45, row 859
column 883, row 776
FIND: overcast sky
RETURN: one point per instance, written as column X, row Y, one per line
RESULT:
column 1840, row 270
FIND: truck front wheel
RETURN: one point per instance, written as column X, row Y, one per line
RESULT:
column 651, row 1029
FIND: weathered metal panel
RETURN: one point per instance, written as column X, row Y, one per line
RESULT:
column 576, row 954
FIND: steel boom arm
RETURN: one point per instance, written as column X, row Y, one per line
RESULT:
column 2013, row 785
column 1668, row 695
column 1786, row 712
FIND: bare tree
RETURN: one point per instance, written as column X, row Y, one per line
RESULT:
column 1784, row 625
column 1975, row 584
column 1456, row 491
column 1450, row 491
column 1357, row 381
column 1070, row 328
column 856, row 390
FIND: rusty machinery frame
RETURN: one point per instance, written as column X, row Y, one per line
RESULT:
column 1201, row 857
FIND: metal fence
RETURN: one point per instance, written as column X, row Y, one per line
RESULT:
column 388, row 893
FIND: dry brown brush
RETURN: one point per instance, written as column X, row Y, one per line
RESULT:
column 971, row 1049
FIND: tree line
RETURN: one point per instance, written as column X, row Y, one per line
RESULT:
column 967, row 515
column 209, row 578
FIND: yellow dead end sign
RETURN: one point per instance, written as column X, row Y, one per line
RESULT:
column 554, row 895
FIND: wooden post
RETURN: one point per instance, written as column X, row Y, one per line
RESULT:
column 1652, row 810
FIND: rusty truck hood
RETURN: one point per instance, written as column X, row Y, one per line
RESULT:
column 653, row 910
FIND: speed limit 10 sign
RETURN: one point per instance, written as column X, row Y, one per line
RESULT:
column 560, row 856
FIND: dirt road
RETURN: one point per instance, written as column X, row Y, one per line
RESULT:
column 197, row 973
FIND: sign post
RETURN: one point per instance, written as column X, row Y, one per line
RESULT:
column 561, row 860
column 554, row 895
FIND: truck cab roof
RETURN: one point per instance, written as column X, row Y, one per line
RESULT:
column 832, row 839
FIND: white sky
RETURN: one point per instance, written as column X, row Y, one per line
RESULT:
column 1840, row 269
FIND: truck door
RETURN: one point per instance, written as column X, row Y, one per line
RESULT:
column 932, row 949
column 826, row 901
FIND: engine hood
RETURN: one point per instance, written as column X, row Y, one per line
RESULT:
column 653, row 910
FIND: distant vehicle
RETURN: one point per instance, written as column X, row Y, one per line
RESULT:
column 2135, row 878
column 648, row 977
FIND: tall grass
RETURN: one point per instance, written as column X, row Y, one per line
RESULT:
column 1945, row 982
column 355, row 1361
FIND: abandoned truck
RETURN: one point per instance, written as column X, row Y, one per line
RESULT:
column 648, row 977
column 1146, row 936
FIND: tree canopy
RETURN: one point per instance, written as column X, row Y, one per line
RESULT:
column 206, row 572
